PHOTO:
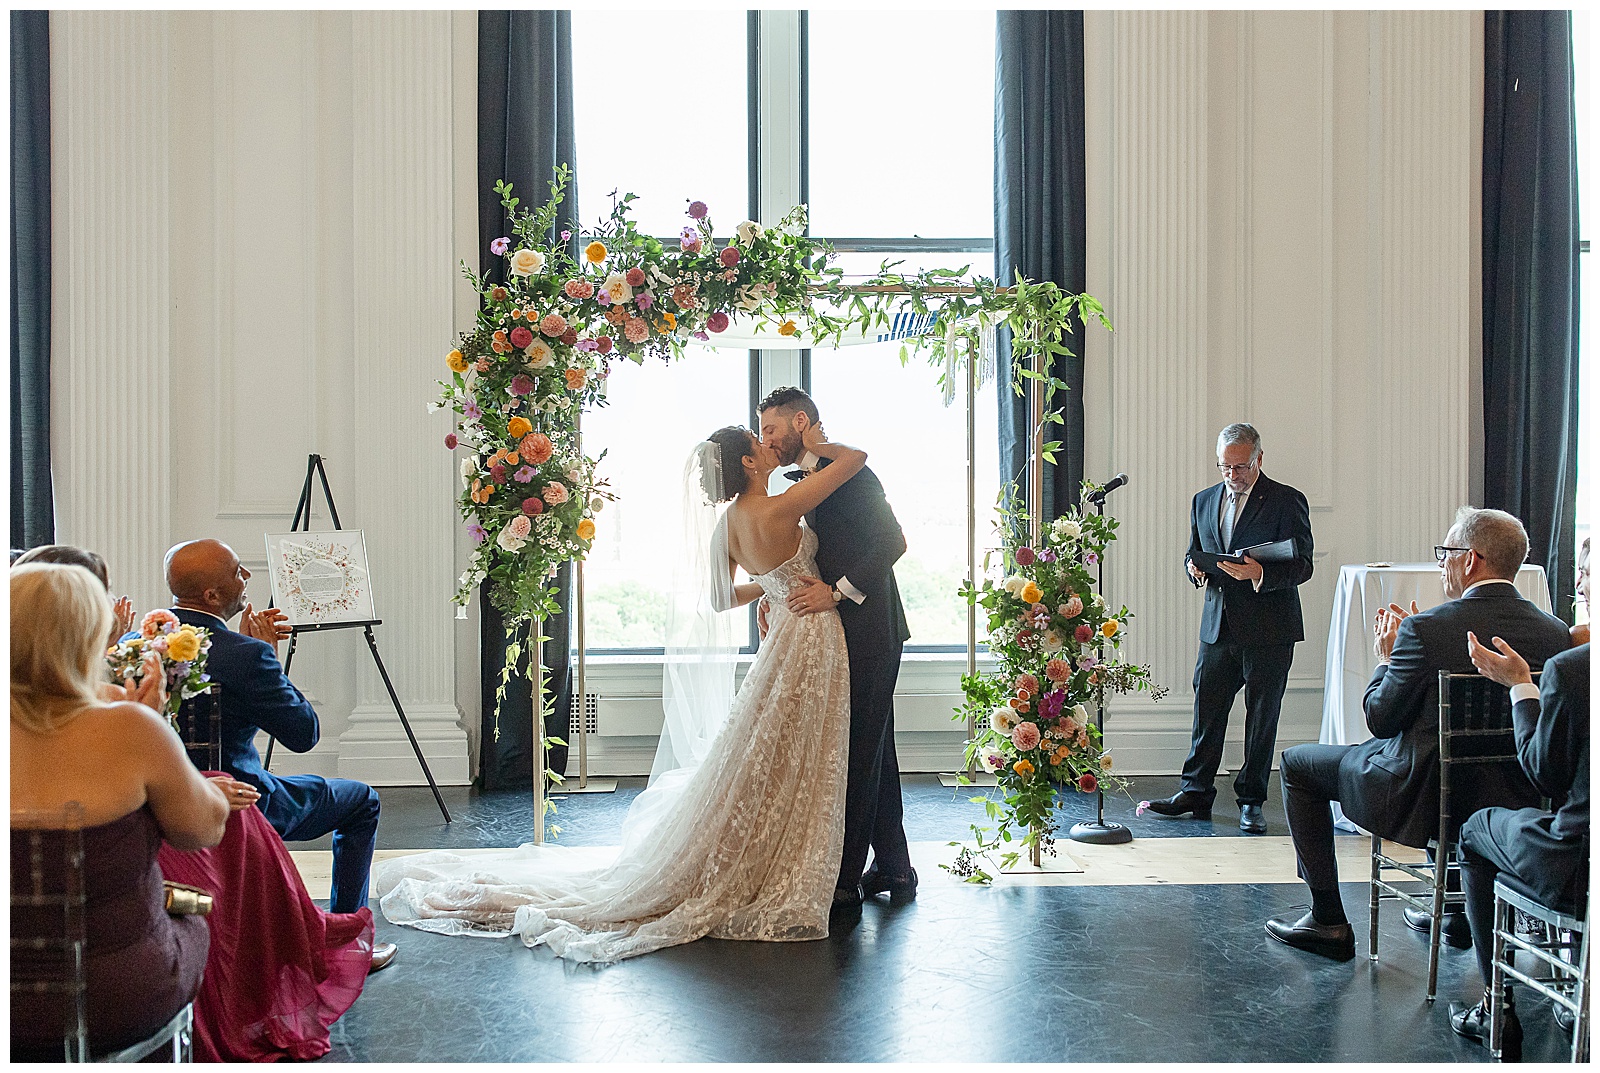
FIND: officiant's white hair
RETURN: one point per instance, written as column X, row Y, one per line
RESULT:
column 1240, row 432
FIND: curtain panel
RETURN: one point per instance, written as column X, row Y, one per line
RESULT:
column 1530, row 285
column 32, row 505
column 524, row 130
column 1040, row 208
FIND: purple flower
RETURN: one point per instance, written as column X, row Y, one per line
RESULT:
column 586, row 344
column 1088, row 662
column 697, row 210
column 523, row 475
column 477, row 532
column 1090, row 558
column 566, row 236
column 643, row 300
column 690, row 240
column 450, row 440
column 471, row 411
column 1050, row 704
column 603, row 298
column 1048, row 555
column 702, row 336
column 1140, row 811
column 205, row 678
column 522, row 384
column 499, row 246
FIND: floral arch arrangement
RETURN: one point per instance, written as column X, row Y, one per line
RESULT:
column 546, row 338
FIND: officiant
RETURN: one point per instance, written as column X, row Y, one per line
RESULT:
column 1251, row 623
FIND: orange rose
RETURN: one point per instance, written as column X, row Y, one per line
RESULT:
column 787, row 328
column 457, row 361
column 1110, row 627
column 1023, row 768
column 518, row 427
column 513, row 458
column 586, row 530
column 576, row 378
column 595, row 252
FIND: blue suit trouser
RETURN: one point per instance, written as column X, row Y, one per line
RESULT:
column 310, row 806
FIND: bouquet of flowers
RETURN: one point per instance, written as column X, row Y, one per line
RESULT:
column 1057, row 644
column 181, row 648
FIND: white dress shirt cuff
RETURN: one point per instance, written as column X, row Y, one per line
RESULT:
column 850, row 592
column 809, row 460
column 1257, row 582
column 1524, row 691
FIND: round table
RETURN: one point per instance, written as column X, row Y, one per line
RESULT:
column 1362, row 591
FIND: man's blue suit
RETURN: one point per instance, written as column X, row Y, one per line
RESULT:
column 257, row 695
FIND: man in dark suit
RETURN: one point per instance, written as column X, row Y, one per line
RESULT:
column 208, row 586
column 1390, row 784
column 859, row 541
column 1547, row 852
column 1249, row 626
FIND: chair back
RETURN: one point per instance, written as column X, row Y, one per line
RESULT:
column 200, row 727
column 49, row 928
column 1475, row 733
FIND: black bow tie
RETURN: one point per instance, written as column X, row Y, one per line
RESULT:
column 798, row 474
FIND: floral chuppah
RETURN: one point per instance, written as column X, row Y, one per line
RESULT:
column 540, row 352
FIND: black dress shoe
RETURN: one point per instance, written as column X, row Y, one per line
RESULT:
column 1454, row 930
column 1251, row 822
column 1473, row 1023
column 845, row 912
column 1564, row 1018
column 902, row 890
column 1181, row 802
column 1336, row 941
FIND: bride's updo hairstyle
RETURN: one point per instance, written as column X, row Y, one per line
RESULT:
column 733, row 447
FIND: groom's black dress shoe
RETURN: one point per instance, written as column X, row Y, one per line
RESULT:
column 1473, row 1023
column 902, row 890
column 1181, row 802
column 1251, row 822
column 1454, row 930
column 1336, row 941
column 846, row 909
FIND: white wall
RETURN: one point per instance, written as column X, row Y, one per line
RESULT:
column 258, row 213
column 1282, row 213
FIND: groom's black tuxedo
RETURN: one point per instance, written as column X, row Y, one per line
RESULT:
column 859, row 540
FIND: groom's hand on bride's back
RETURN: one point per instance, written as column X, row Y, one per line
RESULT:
column 810, row 595
column 761, row 616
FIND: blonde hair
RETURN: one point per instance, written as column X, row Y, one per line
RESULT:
column 60, row 616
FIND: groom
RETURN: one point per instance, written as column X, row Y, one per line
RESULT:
column 859, row 541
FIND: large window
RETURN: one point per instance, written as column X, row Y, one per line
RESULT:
column 1584, row 40
column 877, row 185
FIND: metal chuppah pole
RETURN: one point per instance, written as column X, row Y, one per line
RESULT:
column 972, row 534
column 536, row 665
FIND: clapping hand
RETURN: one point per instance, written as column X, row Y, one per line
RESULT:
column 123, row 610
column 240, row 795
column 151, row 689
column 271, row 625
column 1386, row 627
column 1505, row 666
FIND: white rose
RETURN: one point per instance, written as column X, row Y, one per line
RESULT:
column 1099, row 602
column 747, row 300
column 469, row 470
column 616, row 288
column 1014, row 585
column 540, row 356
column 1081, row 714
column 1003, row 720
column 1052, row 641
column 526, row 262
column 1066, row 529
column 993, row 762
column 509, row 542
column 748, row 232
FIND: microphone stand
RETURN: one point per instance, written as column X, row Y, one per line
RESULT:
column 1099, row 832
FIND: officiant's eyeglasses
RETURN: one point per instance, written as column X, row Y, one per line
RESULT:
column 1441, row 550
column 1227, row 469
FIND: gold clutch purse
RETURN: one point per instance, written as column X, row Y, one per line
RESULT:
column 183, row 900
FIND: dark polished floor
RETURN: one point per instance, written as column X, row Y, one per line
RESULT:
column 1163, row 973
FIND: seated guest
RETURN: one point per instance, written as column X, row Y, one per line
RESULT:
column 122, row 765
column 1545, row 851
column 67, row 555
column 1390, row 784
column 208, row 587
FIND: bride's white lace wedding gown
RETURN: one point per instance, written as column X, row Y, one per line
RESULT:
column 745, row 847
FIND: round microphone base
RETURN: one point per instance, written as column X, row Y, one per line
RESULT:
column 1100, row 834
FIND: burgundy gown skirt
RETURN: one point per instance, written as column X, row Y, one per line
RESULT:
column 280, row 970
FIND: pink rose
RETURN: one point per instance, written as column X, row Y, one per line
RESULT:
column 1058, row 670
column 635, row 277
column 533, row 505
column 158, row 621
column 520, row 527
column 636, row 330
column 1025, row 736
column 729, row 256
column 1026, row 681
column 522, row 384
column 1025, row 555
column 1082, row 633
column 521, row 337
column 553, row 325
column 579, row 289
column 1072, row 608
column 555, row 493
column 717, row 322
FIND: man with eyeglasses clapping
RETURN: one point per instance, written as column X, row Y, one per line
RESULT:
column 1250, row 624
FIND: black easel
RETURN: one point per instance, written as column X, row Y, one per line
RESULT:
column 302, row 513
column 1100, row 833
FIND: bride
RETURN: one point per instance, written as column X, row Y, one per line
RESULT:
column 738, row 835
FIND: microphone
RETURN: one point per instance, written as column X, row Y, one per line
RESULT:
column 1111, row 486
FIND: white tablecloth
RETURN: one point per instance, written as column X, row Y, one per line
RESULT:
column 1362, row 590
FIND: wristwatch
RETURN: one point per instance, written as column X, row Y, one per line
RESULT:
column 834, row 591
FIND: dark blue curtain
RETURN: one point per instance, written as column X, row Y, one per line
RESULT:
column 524, row 130
column 32, row 506
column 1039, row 216
column 1530, row 285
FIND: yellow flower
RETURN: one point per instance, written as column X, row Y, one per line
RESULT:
column 519, row 427
column 183, row 645
column 787, row 328
column 457, row 361
column 586, row 530
column 671, row 319
column 596, row 252
column 1110, row 627
column 1030, row 594
column 1023, row 768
